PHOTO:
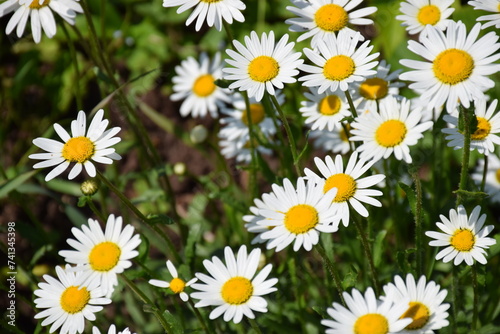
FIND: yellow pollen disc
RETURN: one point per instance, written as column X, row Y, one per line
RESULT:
column 237, row 290
column 35, row 4
column 177, row 285
column 263, row 69
column 429, row 14
column 453, row 66
column 78, row 149
column 463, row 240
column 257, row 114
column 301, row 218
column 331, row 18
column 329, row 105
column 497, row 174
column 204, row 85
column 374, row 89
column 345, row 184
column 483, row 129
column 371, row 323
column 344, row 136
column 419, row 313
column 104, row 256
column 391, row 133
column 73, row 300
column 339, row 68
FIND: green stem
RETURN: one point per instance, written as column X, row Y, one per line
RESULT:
column 253, row 151
column 351, row 104
column 332, row 270
column 199, row 317
column 147, row 301
column 254, row 325
column 476, row 298
column 95, row 211
column 418, row 222
column 368, row 255
column 464, row 173
column 485, row 171
column 229, row 33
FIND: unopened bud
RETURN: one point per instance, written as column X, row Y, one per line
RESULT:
column 89, row 187
column 198, row 134
column 180, row 168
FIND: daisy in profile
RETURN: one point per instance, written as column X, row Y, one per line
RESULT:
column 325, row 110
column 235, row 288
column 417, row 14
column 297, row 215
column 195, row 84
column 339, row 62
column 103, row 254
column 457, row 65
column 351, row 189
column 465, row 238
column 80, row 148
column 492, row 184
column 261, row 65
column 492, row 6
column 68, row 301
column 214, row 11
column 41, row 14
column 393, row 130
column 253, row 219
column 425, row 306
column 111, row 330
column 485, row 137
column 366, row 315
column 336, row 141
column 235, row 123
column 176, row 285
column 320, row 18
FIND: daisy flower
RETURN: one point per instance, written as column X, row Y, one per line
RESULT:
column 177, row 285
column 456, row 67
column 40, row 12
column 68, row 301
column 103, row 255
column 485, row 136
column 366, row 315
column 297, row 214
column 420, row 13
column 239, row 149
column 339, row 62
column 465, row 237
column 80, row 148
column 252, row 220
column 213, row 10
column 425, row 306
column 195, row 84
column 112, row 330
column 320, row 18
column 336, row 141
column 376, row 88
column 234, row 287
column 392, row 130
column 236, row 120
column 351, row 188
column 324, row 110
column 492, row 184
column 261, row 65
column 492, row 6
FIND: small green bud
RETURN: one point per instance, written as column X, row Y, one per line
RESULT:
column 89, row 187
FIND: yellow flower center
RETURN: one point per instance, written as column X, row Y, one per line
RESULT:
column 453, row 66
column 374, row 89
column 35, row 4
column 301, row 218
column 371, row 323
column 104, row 256
column 483, row 129
column 73, row 300
column 419, row 313
column 344, row 136
column 329, row 105
column 78, row 149
column 345, row 184
column 257, row 114
column 237, row 290
column 391, row 133
column 497, row 174
column 429, row 14
column 177, row 285
column 263, row 68
column 463, row 240
column 331, row 18
column 339, row 68
column 204, row 85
